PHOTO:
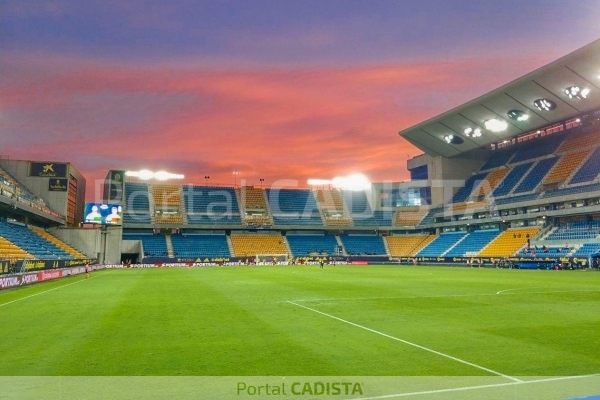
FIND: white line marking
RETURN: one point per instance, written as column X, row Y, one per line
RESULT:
column 441, row 296
column 410, row 343
column 493, row 385
column 49, row 290
column 505, row 290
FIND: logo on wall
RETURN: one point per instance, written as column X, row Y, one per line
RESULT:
column 58, row 185
column 48, row 170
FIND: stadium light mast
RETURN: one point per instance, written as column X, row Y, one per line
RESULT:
column 261, row 182
column 235, row 174
column 206, row 178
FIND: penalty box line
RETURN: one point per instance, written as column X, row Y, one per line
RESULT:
column 49, row 290
column 418, row 346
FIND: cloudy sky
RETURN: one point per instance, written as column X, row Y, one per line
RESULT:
column 273, row 89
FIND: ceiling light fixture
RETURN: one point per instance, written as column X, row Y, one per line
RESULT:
column 575, row 92
column 518, row 115
column 544, row 104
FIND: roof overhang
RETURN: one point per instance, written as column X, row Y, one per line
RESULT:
column 579, row 68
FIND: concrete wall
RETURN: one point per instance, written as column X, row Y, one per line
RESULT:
column 94, row 243
column 39, row 186
column 447, row 175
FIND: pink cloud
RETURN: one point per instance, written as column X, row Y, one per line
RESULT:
column 279, row 123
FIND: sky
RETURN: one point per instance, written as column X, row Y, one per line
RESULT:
column 277, row 90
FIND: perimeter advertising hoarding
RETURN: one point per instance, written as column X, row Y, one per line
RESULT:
column 103, row 214
column 48, row 169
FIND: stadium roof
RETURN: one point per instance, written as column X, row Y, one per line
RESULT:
column 442, row 135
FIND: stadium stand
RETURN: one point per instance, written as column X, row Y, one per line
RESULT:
column 331, row 207
column 293, row 207
column 587, row 249
column 137, row 204
column 407, row 245
column 363, row 244
column 410, row 216
column 167, row 203
column 32, row 243
column 211, row 205
column 498, row 159
column 535, row 175
column 513, row 177
column 487, row 186
column 12, row 252
column 589, row 170
column 509, row 242
column 251, row 245
column 473, row 242
column 441, row 244
column 311, row 244
column 153, row 245
column 578, row 230
column 200, row 245
column 565, row 167
column 58, row 243
column 465, row 191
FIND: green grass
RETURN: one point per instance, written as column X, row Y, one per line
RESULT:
column 239, row 321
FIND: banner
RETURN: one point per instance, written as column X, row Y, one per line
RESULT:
column 48, row 170
column 34, row 277
column 52, row 264
column 58, row 185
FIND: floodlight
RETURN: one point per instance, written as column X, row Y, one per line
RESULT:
column 544, row 104
column 495, row 125
column 448, row 138
column 518, row 115
column 468, row 132
column 355, row 182
column 477, row 132
column 145, row 174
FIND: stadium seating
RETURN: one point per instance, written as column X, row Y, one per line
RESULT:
column 12, row 252
column 306, row 245
column 59, row 243
column 587, row 249
column 409, row 216
column 565, row 167
column 137, row 204
column 535, row 175
column 363, row 244
column 572, row 190
column 575, row 231
column 210, row 200
column 589, row 170
column 32, row 243
column 487, row 186
column 215, row 219
column 441, row 244
column 516, row 199
column 251, row 245
column 200, row 245
column 512, row 178
column 509, row 242
column 166, row 194
column 332, row 207
column 473, row 243
column 293, row 207
column 498, row 159
column 407, row 245
column 153, row 245
column 465, row 191
column 543, row 147
column 253, row 198
column 587, row 140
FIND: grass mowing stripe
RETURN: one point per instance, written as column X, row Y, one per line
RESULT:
column 49, row 290
column 410, row 343
column 464, row 388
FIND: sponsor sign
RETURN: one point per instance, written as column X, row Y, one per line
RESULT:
column 48, row 169
column 58, row 185
column 53, row 264
column 34, row 277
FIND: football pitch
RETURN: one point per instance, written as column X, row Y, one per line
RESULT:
column 343, row 321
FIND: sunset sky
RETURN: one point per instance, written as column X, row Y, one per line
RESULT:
column 273, row 89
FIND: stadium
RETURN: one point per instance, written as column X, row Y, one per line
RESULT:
column 482, row 267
